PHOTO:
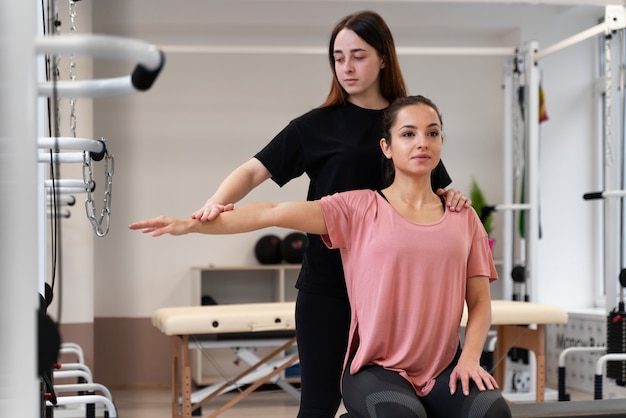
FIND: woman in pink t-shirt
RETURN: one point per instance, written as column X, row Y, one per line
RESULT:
column 410, row 268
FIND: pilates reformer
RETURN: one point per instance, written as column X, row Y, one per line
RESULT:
column 510, row 318
column 68, row 389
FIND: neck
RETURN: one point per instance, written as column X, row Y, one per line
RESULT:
column 372, row 101
column 415, row 194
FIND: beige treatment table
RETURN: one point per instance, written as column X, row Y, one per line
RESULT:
column 518, row 324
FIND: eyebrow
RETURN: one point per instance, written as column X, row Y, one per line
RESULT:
column 339, row 51
column 415, row 127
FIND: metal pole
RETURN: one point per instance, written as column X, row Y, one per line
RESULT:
column 19, row 387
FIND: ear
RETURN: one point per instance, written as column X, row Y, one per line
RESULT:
column 385, row 148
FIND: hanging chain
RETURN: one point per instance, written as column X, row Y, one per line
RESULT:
column 608, row 97
column 100, row 222
column 104, row 218
column 72, row 74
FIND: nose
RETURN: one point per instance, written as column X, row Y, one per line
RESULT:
column 346, row 66
column 420, row 141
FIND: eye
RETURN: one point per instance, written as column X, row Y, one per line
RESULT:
column 434, row 134
column 407, row 134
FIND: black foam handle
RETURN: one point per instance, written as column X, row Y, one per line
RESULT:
column 98, row 156
column 563, row 395
column 142, row 77
column 597, row 386
column 592, row 195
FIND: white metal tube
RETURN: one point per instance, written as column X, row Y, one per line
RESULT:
column 572, row 40
column 68, row 374
column 71, row 143
column 508, row 192
column 101, row 46
column 613, row 193
column 105, row 87
column 64, row 200
column 532, row 169
column 149, row 61
column 67, row 190
column 512, row 207
column 59, row 214
column 87, row 399
column 70, row 183
column 569, row 350
column 608, row 357
column 73, row 348
column 63, row 158
column 84, row 387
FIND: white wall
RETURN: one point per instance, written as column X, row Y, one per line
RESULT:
column 208, row 113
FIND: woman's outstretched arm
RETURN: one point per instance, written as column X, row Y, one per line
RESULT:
column 304, row 216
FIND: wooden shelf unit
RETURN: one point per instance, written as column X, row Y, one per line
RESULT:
column 237, row 284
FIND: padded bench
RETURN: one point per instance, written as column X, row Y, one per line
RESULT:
column 522, row 325
column 510, row 318
column 242, row 327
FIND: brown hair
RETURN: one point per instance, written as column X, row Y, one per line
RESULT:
column 370, row 27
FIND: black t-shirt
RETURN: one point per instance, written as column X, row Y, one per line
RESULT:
column 338, row 147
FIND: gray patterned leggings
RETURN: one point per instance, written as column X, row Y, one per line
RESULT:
column 375, row 392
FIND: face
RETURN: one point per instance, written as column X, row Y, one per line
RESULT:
column 416, row 140
column 357, row 65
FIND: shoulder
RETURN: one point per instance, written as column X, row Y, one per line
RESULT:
column 316, row 114
column 352, row 198
column 467, row 217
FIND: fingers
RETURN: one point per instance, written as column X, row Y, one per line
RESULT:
column 455, row 200
column 481, row 378
column 210, row 212
column 152, row 226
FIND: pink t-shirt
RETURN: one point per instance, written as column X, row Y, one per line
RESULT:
column 406, row 282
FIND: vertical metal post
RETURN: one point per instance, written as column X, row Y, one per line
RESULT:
column 532, row 167
column 19, row 388
column 509, row 185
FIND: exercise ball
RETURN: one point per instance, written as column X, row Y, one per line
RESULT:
column 267, row 250
column 293, row 247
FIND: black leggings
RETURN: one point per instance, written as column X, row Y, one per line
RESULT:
column 375, row 392
column 322, row 325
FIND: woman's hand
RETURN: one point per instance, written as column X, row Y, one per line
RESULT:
column 165, row 225
column 210, row 210
column 471, row 371
column 455, row 200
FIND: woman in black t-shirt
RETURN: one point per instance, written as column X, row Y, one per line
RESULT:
column 337, row 146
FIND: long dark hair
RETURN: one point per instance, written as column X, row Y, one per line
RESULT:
column 389, row 118
column 370, row 27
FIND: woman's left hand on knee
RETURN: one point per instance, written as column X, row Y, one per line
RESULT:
column 465, row 373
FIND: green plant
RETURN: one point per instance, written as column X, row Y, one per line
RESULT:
column 478, row 202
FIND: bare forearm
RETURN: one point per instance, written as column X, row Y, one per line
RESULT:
column 476, row 332
column 479, row 317
column 303, row 216
column 240, row 182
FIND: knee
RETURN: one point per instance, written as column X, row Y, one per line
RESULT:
column 498, row 409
